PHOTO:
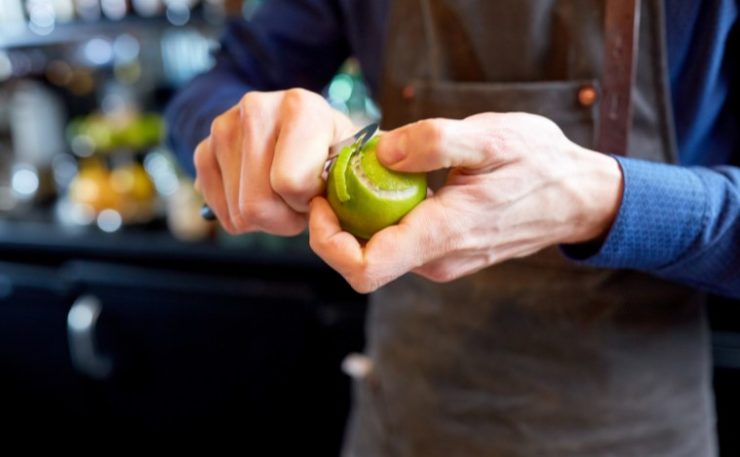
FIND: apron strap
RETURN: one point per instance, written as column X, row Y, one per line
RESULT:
column 432, row 43
column 622, row 22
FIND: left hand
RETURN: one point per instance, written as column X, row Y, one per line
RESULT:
column 516, row 185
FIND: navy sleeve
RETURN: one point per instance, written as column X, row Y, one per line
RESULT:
column 287, row 43
column 680, row 223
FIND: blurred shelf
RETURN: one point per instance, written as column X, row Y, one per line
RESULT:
column 73, row 32
column 151, row 246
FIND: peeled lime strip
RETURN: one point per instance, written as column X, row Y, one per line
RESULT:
column 339, row 172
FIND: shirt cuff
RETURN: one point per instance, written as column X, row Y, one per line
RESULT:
column 661, row 215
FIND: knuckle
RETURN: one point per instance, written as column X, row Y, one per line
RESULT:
column 285, row 226
column 252, row 108
column 290, row 187
column 492, row 145
column 437, row 273
column 296, row 94
column 251, row 99
column 220, row 153
column 503, row 144
column 220, row 127
column 240, row 225
column 315, row 243
column 255, row 214
column 318, row 244
column 367, row 278
column 363, row 284
column 201, row 158
column 431, row 132
column 296, row 100
column 230, row 229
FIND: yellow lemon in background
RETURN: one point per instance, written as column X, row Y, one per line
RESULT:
column 133, row 181
column 92, row 187
column 136, row 192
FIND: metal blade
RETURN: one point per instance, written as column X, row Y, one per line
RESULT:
column 356, row 142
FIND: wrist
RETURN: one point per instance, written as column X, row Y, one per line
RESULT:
column 599, row 189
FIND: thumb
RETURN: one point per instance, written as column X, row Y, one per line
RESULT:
column 434, row 144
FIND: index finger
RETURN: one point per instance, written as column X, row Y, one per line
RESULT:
column 307, row 129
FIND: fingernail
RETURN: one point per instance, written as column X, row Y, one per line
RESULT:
column 392, row 148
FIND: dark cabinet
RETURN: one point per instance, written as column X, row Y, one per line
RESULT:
column 725, row 318
column 246, row 353
column 39, row 386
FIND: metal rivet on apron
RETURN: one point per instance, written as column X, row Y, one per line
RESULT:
column 408, row 92
column 357, row 366
column 587, row 96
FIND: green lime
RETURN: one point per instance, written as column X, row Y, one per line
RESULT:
column 368, row 197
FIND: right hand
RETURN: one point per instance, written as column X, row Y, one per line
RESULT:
column 261, row 165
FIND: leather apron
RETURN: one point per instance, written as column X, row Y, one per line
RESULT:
column 536, row 356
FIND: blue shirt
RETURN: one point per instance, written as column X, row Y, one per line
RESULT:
column 681, row 222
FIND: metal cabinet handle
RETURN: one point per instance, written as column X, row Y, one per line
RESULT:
column 82, row 320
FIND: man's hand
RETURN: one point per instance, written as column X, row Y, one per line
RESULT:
column 516, row 185
column 262, row 163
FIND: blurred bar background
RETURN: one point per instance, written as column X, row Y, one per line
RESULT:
column 122, row 312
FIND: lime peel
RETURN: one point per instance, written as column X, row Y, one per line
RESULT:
column 339, row 173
